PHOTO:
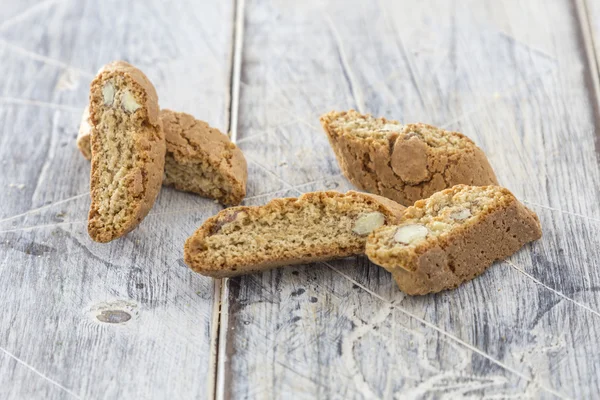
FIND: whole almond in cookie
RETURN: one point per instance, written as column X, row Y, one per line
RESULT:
column 127, row 150
column 316, row 226
column 452, row 237
column 405, row 163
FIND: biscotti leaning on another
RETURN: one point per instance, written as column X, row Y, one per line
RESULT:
column 128, row 150
column 452, row 237
column 199, row 159
column 316, row 226
column 405, row 163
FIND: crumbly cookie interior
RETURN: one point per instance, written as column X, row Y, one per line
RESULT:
column 194, row 168
column 198, row 177
column 446, row 211
column 363, row 126
column 119, row 124
column 285, row 230
column 367, row 126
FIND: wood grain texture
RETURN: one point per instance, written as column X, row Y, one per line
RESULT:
column 130, row 320
column 510, row 75
column 125, row 320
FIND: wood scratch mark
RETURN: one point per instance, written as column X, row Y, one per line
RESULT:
column 45, row 207
column 57, row 224
column 562, row 211
column 347, row 71
column 308, row 378
column 551, row 289
column 258, row 196
column 44, row 59
column 444, row 333
column 267, row 131
column 526, row 45
column 37, row 103
column 288, row 185
column 273, row 174
column 507, row 93
column 296, row 118
column 46, row 378
column 251, row 137
column 50, row 150
column 404, row 54
column 27, row 12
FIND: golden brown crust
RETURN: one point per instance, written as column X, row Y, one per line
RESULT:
column 203, row 160
column 403, row 162
column 128, row 151
column 283, row 248
column 458, row 252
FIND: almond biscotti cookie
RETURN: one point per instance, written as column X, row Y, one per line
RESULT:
column 199, row 159
column 316, row 226
column 452, row 237
column 128, row 150
column 405, row 163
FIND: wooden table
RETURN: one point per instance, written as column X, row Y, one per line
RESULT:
column 128, row 320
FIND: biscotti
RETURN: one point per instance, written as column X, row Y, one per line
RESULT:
column 452, row 237
column 199, row 159
column 128, row 150
column 405, row 163
column 316, row 226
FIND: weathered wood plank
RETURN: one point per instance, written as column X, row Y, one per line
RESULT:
column 65, row 299
column 510, row 75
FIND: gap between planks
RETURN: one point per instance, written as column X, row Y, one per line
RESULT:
column 220, row 317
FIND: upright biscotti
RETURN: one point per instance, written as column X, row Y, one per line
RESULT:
column 452, row 237
column 128, row 150
column 199, row 159
column 405, row 163
column 316, row 226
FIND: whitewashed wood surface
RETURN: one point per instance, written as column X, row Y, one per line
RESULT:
column 520, row 78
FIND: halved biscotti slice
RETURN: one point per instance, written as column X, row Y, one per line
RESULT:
column 128, row 150
column 452, row 237
column 316, row 226
column 199, row 159
column 405, row 163
column 203, row 160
